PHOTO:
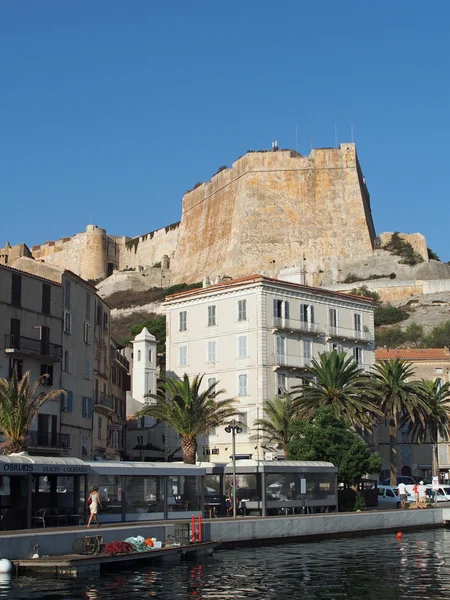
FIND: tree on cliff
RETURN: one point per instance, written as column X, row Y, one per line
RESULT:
column 189, row 411
column 275, row 429
column 339, row 382
column 20, row 402
column 328, row 438
column 398, row 399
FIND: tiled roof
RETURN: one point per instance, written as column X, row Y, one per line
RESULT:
column 230, row 283
column 413, row 354
column 22, row 272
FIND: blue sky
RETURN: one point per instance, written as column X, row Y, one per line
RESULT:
column 119, row 107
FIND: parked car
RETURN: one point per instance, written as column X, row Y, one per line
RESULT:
column 388, row 497
column 443, row 493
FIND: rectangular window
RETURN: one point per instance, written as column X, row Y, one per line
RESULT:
column 105, row 321
column 88, row 306
column 98, row 317
column 358, row 355
column 332, row 317
column 67, row 294
column 242, row 418
column 99, row 428
column 67, row 363
column 357, row 319
column 68, row 401
column 87, row 369
column 307, row 348
column 14, row 329
column 183, row 320
column 281, row 345
column 46, row 298
column 242, row 346
column 16, row 364
column 87, row 330
column 212, row 351
column 211, row 316
column 47, row 375
column 67, row 322
column 280, row 308
column 242, row 385
column 182, row 356
column 307, row 313
column 281, row 384
column 87, row 407
column 16, row 289
column 211, row 381
column 242, row 310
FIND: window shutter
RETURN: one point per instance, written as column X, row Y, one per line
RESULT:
column 286, row 309
column 90, row 407
column 275, row 307
column 311, row 312
column 69, row 401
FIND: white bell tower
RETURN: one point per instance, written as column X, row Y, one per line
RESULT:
column 144, row 366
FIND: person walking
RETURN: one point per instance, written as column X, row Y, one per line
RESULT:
column 416, row 495
column 94, row 502
column 402, row 494
column 422, row 495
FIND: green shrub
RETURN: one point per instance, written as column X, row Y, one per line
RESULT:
column 389, row 337
column 387, row 314
column 432, row 255
column 156, row 327
column 359, row 503
column 438, row 337
column 351, row 278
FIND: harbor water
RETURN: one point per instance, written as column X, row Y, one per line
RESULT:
column 368, row 567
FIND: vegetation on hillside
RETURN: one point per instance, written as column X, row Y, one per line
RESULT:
column 130, row 298
column 400, row 247
column 413, row 335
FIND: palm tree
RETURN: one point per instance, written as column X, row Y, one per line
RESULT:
column 398, row 399
column 434, row 419
column 274, row 429
column 190, row 412
column 338, row 381
column 19, row 405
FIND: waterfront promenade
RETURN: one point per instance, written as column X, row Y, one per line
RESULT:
column 21, row 544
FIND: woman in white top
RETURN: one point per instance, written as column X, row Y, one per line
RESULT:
column 94, row 502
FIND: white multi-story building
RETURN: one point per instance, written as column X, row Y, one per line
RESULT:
column 257, row 337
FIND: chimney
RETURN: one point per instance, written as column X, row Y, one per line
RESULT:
column 206, row 281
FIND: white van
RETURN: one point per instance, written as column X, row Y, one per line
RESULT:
column 443, row 493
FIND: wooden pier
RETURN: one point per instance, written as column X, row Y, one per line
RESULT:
column 76, row 565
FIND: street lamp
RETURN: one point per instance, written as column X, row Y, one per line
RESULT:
column 234, row 428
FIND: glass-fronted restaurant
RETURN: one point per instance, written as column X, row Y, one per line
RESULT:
column 143, row 491
column 50, row 492
column 273, row 487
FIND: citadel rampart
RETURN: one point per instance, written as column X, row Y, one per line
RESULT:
column 271, row 209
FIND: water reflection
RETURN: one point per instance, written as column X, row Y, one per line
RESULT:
column 372, row 567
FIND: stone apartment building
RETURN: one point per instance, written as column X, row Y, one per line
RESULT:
column 257, row 336
column 90, row 421
column 31, row 323
column 415, row 459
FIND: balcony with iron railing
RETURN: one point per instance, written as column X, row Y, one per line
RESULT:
column 291, row 361
column 350, row 334
column 48, row 439
column 105, row 401
column 20, row 345
column 283, row 324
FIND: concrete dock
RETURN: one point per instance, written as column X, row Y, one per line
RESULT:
column 75, row 565
column 21, row 544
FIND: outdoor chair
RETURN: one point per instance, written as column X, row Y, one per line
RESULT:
column 39, row 516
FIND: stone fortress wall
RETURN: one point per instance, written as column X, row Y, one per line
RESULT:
column 270, row 211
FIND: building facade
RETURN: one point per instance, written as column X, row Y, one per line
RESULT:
column 257, row 336
column 416, row 459
column 31, row 324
